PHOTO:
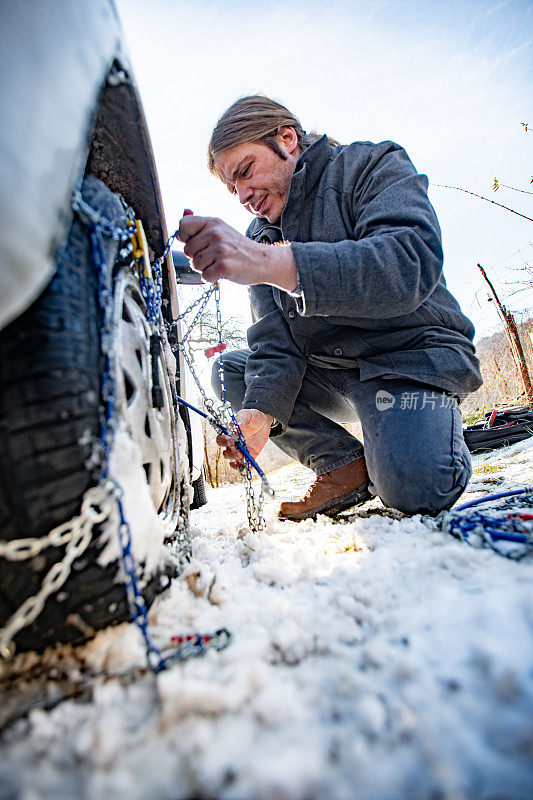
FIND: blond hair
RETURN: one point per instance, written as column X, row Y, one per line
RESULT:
column 255, row 118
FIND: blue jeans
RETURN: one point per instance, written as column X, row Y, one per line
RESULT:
column 415, row 453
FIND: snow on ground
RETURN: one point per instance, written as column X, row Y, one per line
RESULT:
column 371, row 660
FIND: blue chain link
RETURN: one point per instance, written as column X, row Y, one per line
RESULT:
column 501, row 523
column 151, row 291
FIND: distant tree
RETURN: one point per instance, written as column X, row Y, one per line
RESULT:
column 206, row 334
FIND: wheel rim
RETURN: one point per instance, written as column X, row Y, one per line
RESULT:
column 152, row 429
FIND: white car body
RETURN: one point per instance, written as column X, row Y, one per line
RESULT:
column 67, row 93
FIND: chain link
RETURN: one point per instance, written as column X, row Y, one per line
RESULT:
column 222, row 418
column 254, row 505
column 206, row 293
column 495, row 525
column 201, row 303
column 22, row 549
column 151, row 291
column 90, row 216
column 98, row 502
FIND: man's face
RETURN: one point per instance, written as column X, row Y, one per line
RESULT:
column 258, row 176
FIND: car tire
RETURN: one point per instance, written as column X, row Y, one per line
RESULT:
column 51, row 414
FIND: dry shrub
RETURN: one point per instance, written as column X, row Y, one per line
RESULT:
column 502, row 382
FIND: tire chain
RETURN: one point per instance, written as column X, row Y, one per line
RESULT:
column 99, row 501
column 223, row 419
column 489, row 525
column 97, row 505
column 151, row 291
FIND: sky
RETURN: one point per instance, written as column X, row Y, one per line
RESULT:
column 449, row 81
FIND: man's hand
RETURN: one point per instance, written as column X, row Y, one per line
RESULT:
column 219, row 251
column 255, row 426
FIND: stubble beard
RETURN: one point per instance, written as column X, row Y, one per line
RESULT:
column 280, row 192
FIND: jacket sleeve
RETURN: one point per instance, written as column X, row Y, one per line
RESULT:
column 275, row 366
column 394, row 261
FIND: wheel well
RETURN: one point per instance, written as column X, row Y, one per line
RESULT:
column 121, row 156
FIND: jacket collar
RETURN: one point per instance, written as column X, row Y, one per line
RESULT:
column 305, row 178
column 260, row 228
column 312, row 163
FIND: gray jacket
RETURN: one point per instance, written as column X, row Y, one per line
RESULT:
column 368, row 251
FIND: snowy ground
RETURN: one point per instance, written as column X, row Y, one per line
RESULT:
column 371, row 660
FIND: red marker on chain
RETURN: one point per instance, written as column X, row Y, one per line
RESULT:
column 219, row 348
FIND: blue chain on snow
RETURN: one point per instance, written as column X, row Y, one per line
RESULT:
column 197, row 644
column 504, row 521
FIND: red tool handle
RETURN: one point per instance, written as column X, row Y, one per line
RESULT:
column 186, row 213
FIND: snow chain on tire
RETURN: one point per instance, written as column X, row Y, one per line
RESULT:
column 76, row 534
column 100, row 500
column 50, row 424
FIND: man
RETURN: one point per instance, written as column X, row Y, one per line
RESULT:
column 351, row 314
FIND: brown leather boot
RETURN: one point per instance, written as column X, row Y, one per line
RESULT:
column 331, row 492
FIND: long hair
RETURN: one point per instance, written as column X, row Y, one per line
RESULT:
column 255, row 118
